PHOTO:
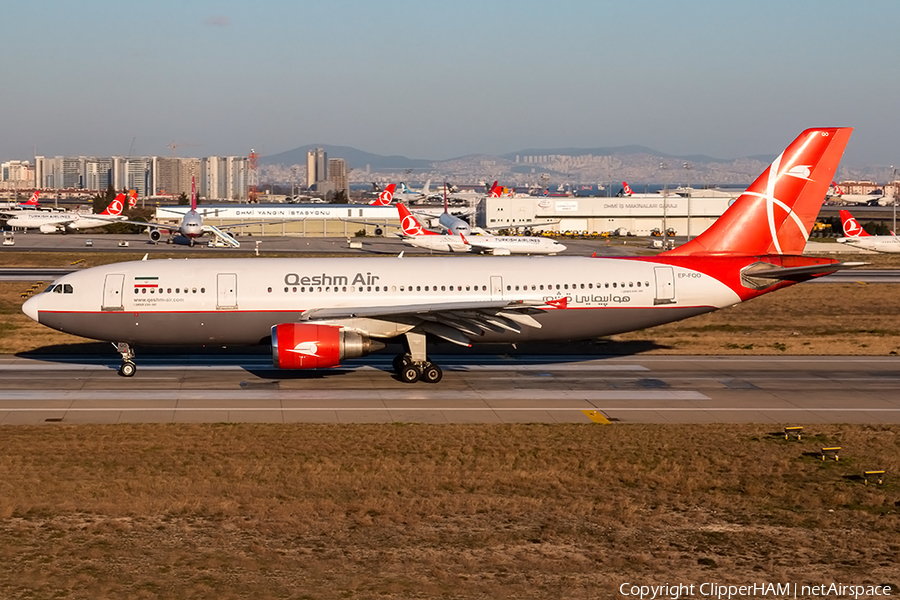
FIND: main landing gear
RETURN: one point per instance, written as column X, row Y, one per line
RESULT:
column 127, row 368
column 413, row 366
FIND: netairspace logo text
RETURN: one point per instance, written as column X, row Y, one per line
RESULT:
column 757, row 590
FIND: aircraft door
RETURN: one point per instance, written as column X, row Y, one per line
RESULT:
column 227, row 291
column 665, row 285
column 112, row 292
column 496, row 287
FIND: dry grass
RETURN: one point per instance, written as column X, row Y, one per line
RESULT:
column 811, row 319
column 456, row 511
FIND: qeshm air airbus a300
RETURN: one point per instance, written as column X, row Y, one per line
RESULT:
column 318, row 312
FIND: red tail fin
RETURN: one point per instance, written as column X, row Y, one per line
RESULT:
column 777, row 212
column 851, row 226
column 496, row 190
column 132, row 198
column 386, row 197
column 837, row 189
column 627, row 188
column 33, row 201
column 115, row 207
column 193, row 194
column 409, row 224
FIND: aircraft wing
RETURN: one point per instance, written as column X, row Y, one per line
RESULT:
column 455, row 322
column 113, row 219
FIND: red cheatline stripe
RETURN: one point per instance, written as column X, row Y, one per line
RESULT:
column 145, row 285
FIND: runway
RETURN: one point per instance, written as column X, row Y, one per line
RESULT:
column 475, row 389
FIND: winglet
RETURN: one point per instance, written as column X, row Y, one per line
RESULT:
column 561, row 303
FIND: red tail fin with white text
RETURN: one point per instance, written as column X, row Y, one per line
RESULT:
column 776, row 213
column 851, row 226
column 409, row 224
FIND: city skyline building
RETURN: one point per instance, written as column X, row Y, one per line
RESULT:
column 316, row 168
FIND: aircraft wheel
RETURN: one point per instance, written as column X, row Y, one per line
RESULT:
column 128, row 369
column 401, row 361
column 410, row 374
column 192, row 242
column 432, row 373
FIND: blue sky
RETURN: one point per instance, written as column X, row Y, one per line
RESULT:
column 435, row 79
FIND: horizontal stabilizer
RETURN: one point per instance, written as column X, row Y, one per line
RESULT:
column 801, row 273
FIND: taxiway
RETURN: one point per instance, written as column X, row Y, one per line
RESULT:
column 476, row 388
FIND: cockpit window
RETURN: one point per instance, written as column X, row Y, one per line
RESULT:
column 50, row 288
column 67, row 288
column 58, row 289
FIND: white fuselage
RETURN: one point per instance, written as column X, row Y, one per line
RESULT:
column 237, row 301
column 486, row 244
column 876, row 243
column 48, row 221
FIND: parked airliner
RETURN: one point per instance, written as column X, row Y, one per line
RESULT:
column 318, row 312
column 191, row 227
column 858, row 237
column 30, row 203
column 416, row 235
column 62, row 222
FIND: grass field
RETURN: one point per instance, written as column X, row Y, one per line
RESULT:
column 454, row 511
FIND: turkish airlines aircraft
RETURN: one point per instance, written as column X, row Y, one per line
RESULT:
column 876, row 198
column 56, row 222
column 30, row 203
column 191, row 226
column 860, row 238
column 386, row 197
column 317, row 312
column 415, row 234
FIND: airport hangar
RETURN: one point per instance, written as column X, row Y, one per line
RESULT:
column 637, row 216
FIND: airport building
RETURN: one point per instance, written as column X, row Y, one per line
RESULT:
column 636, row 215
column 625, row 215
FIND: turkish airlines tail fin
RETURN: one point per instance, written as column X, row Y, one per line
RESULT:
column 496, row 190
column 409, row 224
column 193, row 194
column 386, row 197
column 132, row 198
column 837, row 189
column 115, row 207
column 851, row 226
column 776, row 213
column 33, row 201
column 627, row 188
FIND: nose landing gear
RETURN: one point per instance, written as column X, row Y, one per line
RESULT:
column 127, row 368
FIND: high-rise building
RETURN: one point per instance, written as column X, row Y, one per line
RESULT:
column 316, row 167
column 339, row 175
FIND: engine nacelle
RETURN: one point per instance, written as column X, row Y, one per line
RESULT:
column 49, row 228
column 154, row 234
column 308, row 346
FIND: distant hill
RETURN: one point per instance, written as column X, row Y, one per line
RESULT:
column 356, row 159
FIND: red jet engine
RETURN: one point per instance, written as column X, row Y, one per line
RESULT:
column 307, row 346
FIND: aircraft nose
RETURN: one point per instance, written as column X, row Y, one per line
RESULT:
column 30, row 308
